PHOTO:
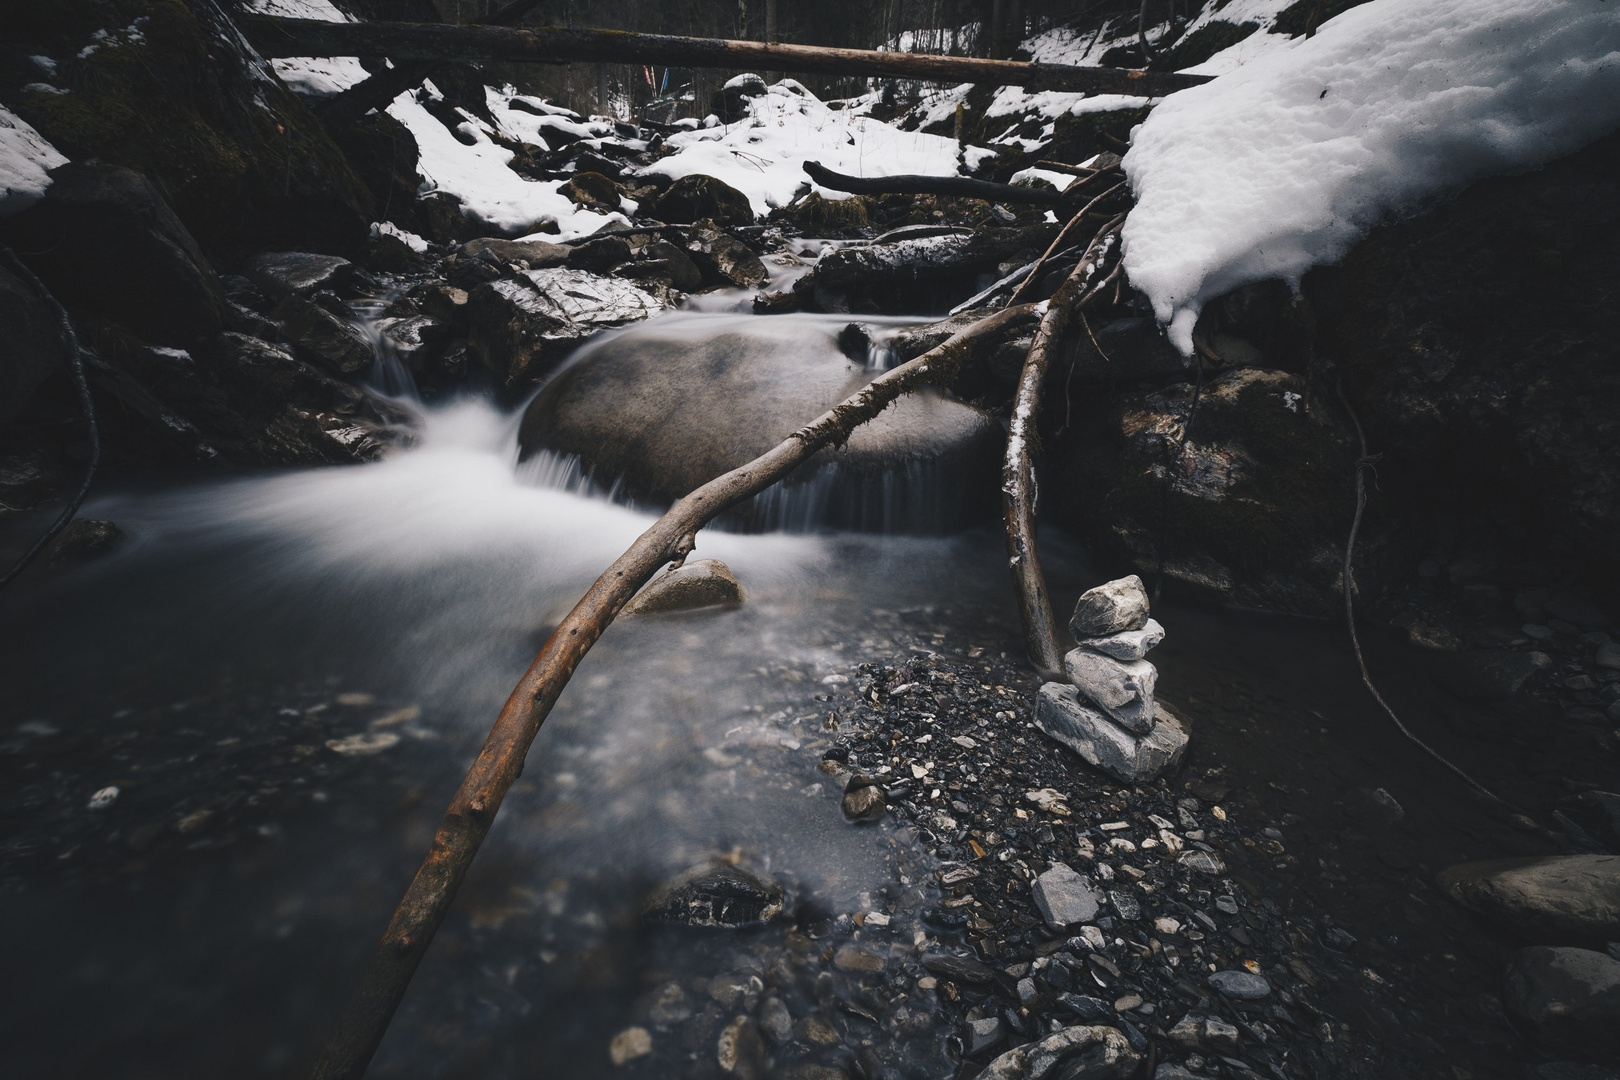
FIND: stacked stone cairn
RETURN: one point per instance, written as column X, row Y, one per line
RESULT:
column 1108, row 714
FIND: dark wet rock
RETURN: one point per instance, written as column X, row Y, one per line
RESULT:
column 34, row 348
column 962, row 969
column 1077, row 1053
column 775, row 1020
column 1125, row 350
column 286, row 273
column 663, row 411
column 538, row 254
column 730, row 102
column 699, row 583
column 814, row 215
column 1569, row 997
column 1597, row 813
column 1259, row 496
column 105, row 240
column 1101, row 742
column 1242, row 985
column 864, row 800
column 665, row 263
column 600, row 255
column 1556, row 899
column 1065, row 898
column 722, row 259
column 855, row 958
column 717, row 896
column 412, row 339
column 1111, row 608
column 924, row 274
column 696, row 197
column 523, row 327
column 1571, row 1070
column 983, row 1034
column 446, row 303
column 320, row 337
column 82, row 540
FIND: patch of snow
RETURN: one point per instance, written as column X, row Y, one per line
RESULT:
column 763, row 154
column 406, row 237
column 45, row 64
column 1051, row 176
column 1283, row 163
column 44, row 88
column 323, row 10
column 974, row 157
column 319, row 76
column 481, row 177
column 25, row 158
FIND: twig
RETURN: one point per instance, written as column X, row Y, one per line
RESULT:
column 72, row 340
column 471, row 812
column 1363, row 463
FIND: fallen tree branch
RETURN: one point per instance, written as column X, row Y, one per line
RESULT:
column 960, row 186
column 1027, row 289
column 1018, row 486
column 277, row 37
column 71, row 340
column 471, row 812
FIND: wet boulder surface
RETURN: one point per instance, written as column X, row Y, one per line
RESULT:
column 666, row 408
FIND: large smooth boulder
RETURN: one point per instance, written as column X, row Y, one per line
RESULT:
column 105, row 240
column 1570, row 997
column 665, row 408
column 34, row 344
column 1553, row 899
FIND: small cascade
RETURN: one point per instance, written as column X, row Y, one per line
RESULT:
column 389, row 375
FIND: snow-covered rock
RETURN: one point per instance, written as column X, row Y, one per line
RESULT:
column 25, row 161
column 1284, row 162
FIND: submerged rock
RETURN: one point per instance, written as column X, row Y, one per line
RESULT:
column 1570, row 997
column 700, row 583
column 1555, row 899
column 83, row 539
column 719, row 896
column 675, row 404
column 864, row 800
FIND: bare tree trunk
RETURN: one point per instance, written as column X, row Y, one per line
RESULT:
column 275, row 37
column 672, row 537
column 1018, row 484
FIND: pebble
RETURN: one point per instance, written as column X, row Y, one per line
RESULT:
column 1226, row 905
column 1242, row 985
column 103, row 798
column 630, row 1044
column 1065, row 897
column 983, row 1034
column 855, row 958
column 1127, row 1003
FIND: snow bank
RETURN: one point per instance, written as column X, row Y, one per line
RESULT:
column 318, row 76
column 1285, row 162
column 763, row 155
column 25, row 157
column 480, row 174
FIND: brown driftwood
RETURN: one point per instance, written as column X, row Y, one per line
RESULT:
column 961, row 186
column 554, row 45
column 671, row 538
column 1018, row 489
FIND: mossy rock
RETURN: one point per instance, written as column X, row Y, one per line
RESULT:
column 829, row 218
column 593, row 191
column 695, row 197
column 241, row 160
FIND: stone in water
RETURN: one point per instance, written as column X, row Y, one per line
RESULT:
column 700, row 583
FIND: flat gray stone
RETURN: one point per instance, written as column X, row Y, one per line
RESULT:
column 1570, row 997
column 1065, row 897
column 1129, row 757
column 700, row 583
column 1111, row 608
column 283, row 273
column 1122, row 689
column 983, row 1034
column 1128, row 644
column 1242, row 985
column 1553, row 900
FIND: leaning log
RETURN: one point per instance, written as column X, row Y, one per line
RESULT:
column 906, row 184
column 554, row 45
column 671, row 538
column 1018, row 470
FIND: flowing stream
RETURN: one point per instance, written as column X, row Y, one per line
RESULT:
column 285, row 674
